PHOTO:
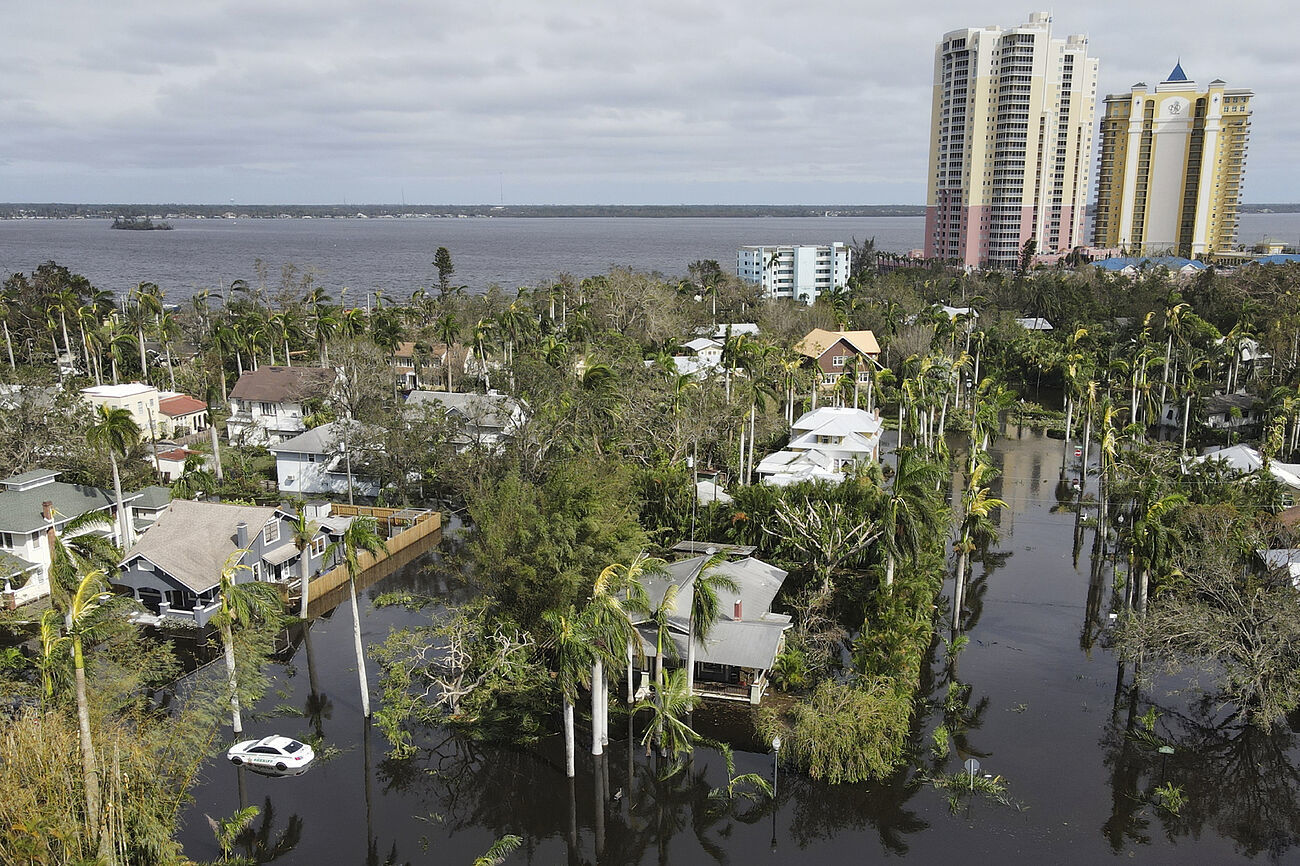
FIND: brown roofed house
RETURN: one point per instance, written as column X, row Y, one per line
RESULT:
column 833, row 352
column 267, row 405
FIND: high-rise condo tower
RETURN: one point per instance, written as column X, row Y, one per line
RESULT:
column 1010, row 143
column 1172, row 163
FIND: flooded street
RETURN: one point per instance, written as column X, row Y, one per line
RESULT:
column 1047, row 711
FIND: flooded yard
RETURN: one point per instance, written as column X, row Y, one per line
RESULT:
column 1044, row 705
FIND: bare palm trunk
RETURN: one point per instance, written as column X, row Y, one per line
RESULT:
column 304, row 578
column 568, row 737
column 216, row 447
column 356, row 641
column 889, row 570
column 228, row 643
column 89, row 765
column 124, row 523
column 597, row 675
column 690, row 657
column 9, row 346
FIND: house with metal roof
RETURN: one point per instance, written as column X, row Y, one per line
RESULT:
column 268, row 405
column 735, row 660
column 484, row 419
column 31, row 505
column 174, row 570
column 316, row 462
column 824, row 444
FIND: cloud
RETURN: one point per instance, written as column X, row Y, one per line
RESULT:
column 575, row 100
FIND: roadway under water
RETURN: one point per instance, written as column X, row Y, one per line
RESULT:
column 1048, row 709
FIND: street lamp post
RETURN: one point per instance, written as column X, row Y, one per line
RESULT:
column 776, row 758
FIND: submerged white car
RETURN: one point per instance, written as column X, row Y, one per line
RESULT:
column 272, row 753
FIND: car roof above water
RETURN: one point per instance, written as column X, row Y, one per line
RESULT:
column 275, row 741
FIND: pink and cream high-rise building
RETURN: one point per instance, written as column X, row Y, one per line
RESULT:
column 1010, row 143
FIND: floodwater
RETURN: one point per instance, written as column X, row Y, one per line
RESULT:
column 1046, row 708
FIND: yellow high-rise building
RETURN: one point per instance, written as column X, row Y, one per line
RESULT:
column 1171, row 168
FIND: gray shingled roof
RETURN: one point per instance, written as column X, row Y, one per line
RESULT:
column 152, row 498
column 484, row 410
column 318, row 440
column 191, row 540
column 20, row 510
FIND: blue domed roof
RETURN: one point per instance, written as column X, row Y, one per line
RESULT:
column 1178, row 74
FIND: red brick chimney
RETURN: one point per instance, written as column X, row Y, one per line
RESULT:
column 47, row 514
column 736, row 611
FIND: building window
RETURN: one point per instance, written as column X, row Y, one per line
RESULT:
column 271, row 534
column 318, row 547
column 266, row 408
column 257, row 571
column 839, row 360
column 6, row 540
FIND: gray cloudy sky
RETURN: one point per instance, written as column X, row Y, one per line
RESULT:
column 550, row 101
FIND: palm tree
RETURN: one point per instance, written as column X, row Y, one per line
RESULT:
column 114, row 432
column 607, row 618
column 85, row 624
column 241, row 604
column 304, row 532
column 976, row 526
column 909, row 508
column 705, row 609
column 1152, row 538
column 77, row 550
column 573, row 656
column 362, row 535
column 447, row 328
column 669, row 705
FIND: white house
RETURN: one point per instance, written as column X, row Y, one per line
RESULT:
column 315, row 462
column 824, row 444
column 1245, row 460
column 31, row 505
column 268, row 405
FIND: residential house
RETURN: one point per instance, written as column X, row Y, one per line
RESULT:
column 174, row 570
column 170, row 462
column 1244, row 460
column 834, row 353
column 433, row 360
column 137, row 398
column 146, row 504
column 1222, row 412
column 268, row 405
column 734, row 662
column 32, row 504
column 485, row 419
column 316, row 462
column 1131, row 266
column 703, row 356
column 825, row 444
column 1282, row 561
column 182, row 414
column 1035, row 323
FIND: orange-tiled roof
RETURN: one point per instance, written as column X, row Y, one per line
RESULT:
column 181, row 404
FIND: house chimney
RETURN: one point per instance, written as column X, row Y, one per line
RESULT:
column 47, row 514
column 736, row 612
column 241, row 534
column 47, row 511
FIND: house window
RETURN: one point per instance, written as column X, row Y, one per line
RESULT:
column 266, row 408
column 311, row 458
column 6, row 540
column 318, row 547
column 257, row 571
column 839, row 360
column 272, row 531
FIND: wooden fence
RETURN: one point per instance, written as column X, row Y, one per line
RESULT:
column 403, row 526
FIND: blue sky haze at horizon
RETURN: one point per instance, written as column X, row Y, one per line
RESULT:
column 564, row 102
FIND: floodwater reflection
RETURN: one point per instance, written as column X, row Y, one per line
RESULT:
column 1035, row 695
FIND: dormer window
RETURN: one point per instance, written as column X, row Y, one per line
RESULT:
column 271, row 533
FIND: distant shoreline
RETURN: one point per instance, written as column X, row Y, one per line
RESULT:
column 27, row 211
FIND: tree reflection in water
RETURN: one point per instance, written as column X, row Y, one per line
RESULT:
column 1240, row 782
column 258, row 842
